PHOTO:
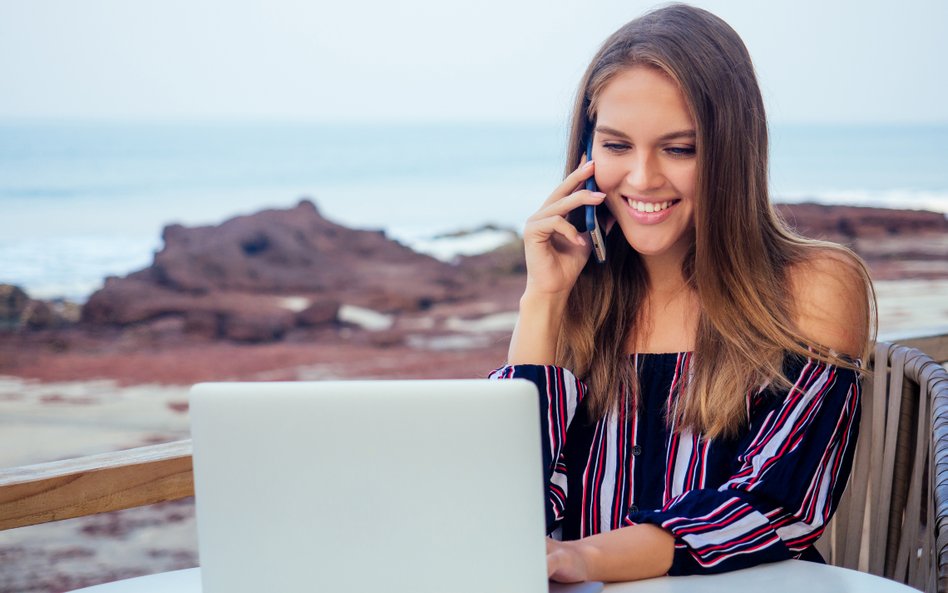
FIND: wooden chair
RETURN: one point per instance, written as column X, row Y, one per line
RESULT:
column 893, row 518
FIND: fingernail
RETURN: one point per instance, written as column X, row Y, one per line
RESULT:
column 581, row 241
column 599, row 194
column 588, row 164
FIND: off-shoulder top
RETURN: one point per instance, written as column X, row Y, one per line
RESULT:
column 763, row 496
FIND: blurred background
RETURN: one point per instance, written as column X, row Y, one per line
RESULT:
column 117, row 118
column 441, row 124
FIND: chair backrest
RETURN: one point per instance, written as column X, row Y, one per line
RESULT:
column 893, row 519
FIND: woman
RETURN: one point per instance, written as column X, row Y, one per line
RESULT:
column 699, row 390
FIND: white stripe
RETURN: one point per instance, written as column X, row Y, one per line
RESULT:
column 607, row 492
column 630, row 479
column 559, row 479
column 551, row 411
column 571, row 393
column 704, row 463
column 733, row 531
column 685, row 450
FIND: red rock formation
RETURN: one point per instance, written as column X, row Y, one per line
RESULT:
column 843, row 223
column 233, row 280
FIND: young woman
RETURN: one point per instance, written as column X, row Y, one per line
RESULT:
column 699, row 390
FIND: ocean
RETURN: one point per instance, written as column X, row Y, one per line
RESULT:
column 83, row 200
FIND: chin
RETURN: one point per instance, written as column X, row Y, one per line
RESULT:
column 655, row 246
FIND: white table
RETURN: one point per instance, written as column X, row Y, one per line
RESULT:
column 792, row 576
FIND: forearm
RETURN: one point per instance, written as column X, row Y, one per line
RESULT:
column 627, row 554
column 537, row 330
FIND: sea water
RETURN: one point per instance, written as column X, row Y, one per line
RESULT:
column 83, row 200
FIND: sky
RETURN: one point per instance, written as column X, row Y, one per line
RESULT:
column 819, row 61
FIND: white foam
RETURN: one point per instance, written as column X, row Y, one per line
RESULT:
column 489, row 323
column 72, row 266
column 449, row 248
column 365, row 318
column 294, row 304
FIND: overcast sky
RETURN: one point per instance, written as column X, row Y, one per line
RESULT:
column 848, row 61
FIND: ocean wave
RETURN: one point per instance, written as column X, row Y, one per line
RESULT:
column 72, row 267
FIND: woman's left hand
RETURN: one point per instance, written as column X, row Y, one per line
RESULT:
column 565, row 562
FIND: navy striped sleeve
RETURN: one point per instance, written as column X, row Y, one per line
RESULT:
column 560, row 393
column 790, row 471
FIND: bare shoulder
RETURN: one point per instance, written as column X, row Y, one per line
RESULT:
column 831, row 300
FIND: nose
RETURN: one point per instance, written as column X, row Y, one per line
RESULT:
column 644, row 172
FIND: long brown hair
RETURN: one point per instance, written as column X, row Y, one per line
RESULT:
column 739, row 261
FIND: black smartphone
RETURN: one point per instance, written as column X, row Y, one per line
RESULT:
column 586, row 218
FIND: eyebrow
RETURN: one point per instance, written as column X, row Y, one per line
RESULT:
column 662, row 138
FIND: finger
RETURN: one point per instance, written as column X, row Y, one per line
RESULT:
column 552, row 562
column 552, row 545
column 572, row 181
column 546, row 228
column 563, row 206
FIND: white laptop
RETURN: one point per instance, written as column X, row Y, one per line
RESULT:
column 369, row 486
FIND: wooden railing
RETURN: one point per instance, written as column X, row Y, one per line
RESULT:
column 113, row 481
column 95, row 484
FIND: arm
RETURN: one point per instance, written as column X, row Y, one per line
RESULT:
column 555, row 255
column 537, row 330
column 627, row 554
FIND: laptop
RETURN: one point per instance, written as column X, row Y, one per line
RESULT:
column 369, row 486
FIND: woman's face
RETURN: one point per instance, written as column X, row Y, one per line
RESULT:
column 646, row 163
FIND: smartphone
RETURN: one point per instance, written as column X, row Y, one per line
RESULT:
column 586, row 219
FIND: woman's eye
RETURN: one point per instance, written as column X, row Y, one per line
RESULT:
column 615, row 147
column 681, row 151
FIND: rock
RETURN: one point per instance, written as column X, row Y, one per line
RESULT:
column 506, row 260
column 319, row 313
column 295, row 251
column 207, row 324
column 256, row 326
column 253, row 278
column 19, row 311
column 844, row 223
column 13, row 302
column 38, row 315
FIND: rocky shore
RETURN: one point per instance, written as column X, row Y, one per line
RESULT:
column 290, row 295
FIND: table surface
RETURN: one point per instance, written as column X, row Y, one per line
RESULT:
column 792, row 576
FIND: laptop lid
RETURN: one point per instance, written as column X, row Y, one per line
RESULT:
column 366, row 486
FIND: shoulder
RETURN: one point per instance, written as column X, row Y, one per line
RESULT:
column 831, row 299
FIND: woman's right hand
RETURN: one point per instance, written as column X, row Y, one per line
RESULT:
column 555, row 251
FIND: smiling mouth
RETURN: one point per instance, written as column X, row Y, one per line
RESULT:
column 648, row 207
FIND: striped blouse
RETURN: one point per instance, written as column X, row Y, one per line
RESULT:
column 763, row 496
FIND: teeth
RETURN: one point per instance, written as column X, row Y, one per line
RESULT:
column 648, row 206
